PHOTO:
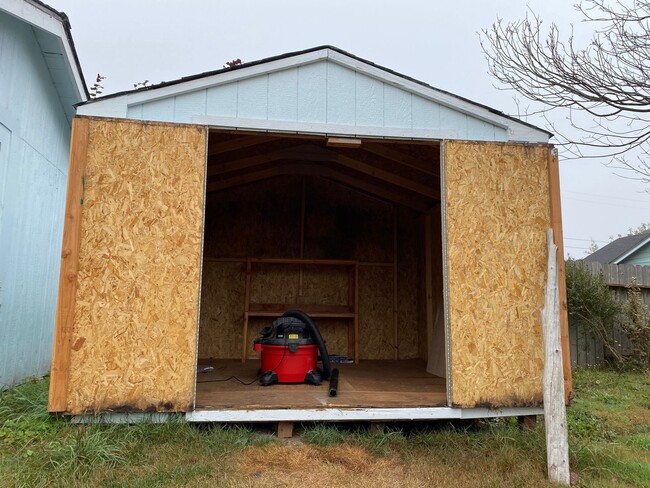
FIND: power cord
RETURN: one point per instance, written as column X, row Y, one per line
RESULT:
column 284, row 353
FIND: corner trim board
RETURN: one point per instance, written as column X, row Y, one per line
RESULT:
column 69, row 268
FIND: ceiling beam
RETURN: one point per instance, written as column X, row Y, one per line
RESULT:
column 310, row 152
column 218, row 147
column 310, row 169
column 242, row 179
column 382, row 150
column 389, row 177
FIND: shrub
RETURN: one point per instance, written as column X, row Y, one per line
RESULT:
column 636, row 327
column 591, row 306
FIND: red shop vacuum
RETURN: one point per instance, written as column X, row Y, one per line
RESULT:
column 289, row 351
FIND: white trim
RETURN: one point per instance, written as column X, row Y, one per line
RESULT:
column 308, row 414
column 118, row 106
column 219, row 79
column 354, row 414
column 321, row 129
column 445, row 268
column 631, row 251
column 43, row 19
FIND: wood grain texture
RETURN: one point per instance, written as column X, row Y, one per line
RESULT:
column 365, row 385
column 497, row 215
column 69, row 268
column 556, row 222
column 135, row 321
column 555, row 421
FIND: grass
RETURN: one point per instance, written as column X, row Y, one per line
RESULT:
column 609, row 426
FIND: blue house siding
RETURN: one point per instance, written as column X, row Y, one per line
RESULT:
column 641, row 257
column 34, row 146
column 322, row 92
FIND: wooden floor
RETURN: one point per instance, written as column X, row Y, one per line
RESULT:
column 365, row 385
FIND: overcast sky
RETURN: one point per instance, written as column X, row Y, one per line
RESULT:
column 130, row 41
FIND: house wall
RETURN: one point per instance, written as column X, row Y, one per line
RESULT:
column 34, row 145
column 641, row 257
column 319, row 93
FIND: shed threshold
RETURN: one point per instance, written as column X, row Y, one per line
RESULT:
column 355, row 414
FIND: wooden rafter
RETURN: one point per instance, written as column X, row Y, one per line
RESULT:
column 238, row 143
column 399, row 157
column 319, row 170
column 389, row 177
column 313, row 153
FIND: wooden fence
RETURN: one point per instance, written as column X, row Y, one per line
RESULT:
column 587, row 351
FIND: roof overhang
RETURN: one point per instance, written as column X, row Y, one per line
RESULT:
column 52, row 32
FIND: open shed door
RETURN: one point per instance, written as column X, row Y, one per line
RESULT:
column 126, row 328
column 496, row 214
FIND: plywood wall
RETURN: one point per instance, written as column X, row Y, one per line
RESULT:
column 263, row 220
column 497, row 213
column 134, row 331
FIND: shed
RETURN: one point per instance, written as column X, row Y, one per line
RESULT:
column 409, row 222
column 40, row 82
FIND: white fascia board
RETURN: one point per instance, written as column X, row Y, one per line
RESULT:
column 43, row 19
column 118, row 106
column 516, row 131
column 234, row 123
column 355, row 414
column 631, row 251
column 310, row 414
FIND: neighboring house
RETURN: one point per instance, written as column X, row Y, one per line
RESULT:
column 634, row 249
column 410, row 222
column 40, row 81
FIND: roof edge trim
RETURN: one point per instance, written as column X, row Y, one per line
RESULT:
column 631, row 251
column 50, row 20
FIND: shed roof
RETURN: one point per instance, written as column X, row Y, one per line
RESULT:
column 52, row 30
column 621, row 248
column 122, row 104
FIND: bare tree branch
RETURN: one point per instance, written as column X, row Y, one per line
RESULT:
column 604, row 87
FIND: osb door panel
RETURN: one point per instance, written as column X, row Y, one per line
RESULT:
column 496, row 217
column 135, row 316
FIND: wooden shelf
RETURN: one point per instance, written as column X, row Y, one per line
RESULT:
column 316, row 310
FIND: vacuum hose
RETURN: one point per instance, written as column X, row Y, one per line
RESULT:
column 315, row 333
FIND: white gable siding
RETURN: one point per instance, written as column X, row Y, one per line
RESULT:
column 321, row 93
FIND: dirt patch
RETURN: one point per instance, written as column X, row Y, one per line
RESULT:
column 296, row 465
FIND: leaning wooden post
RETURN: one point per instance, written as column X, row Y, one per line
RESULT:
column 557, row 444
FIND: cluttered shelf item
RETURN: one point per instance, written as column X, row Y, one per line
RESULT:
column 347, row 310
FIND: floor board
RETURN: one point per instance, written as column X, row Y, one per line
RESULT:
column 369, row 384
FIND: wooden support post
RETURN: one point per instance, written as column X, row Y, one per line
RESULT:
column 302, row 236
column 527, row 422
column 556, row 224
column 356, row 312
column 351, row 303
column 395, row 301
column 284, row 430
column 428, row 280
column 247, row 300
column 69, row 267
column 557, row 444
